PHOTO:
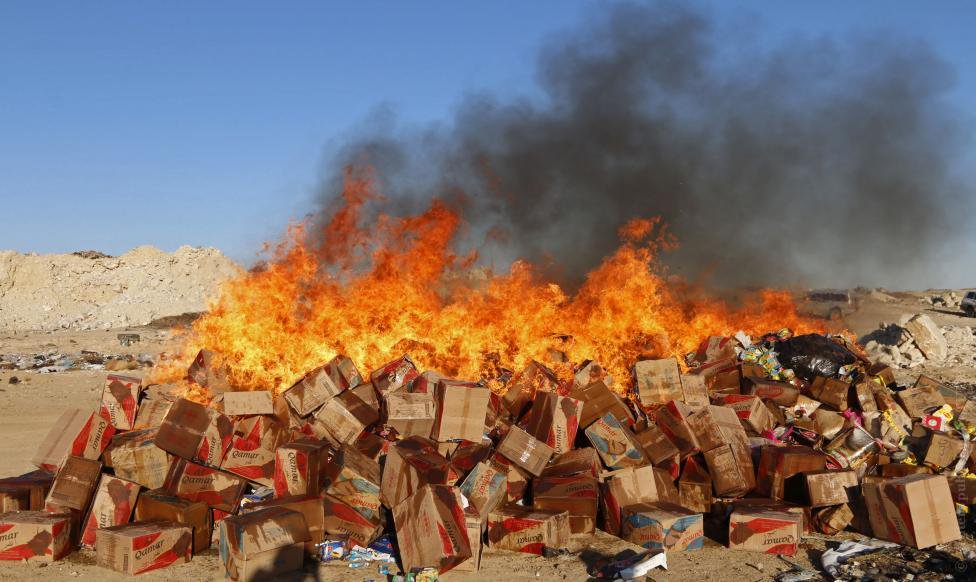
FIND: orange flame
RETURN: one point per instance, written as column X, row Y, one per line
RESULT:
column 375, row 292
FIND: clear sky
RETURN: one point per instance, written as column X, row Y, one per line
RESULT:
column 206, row 123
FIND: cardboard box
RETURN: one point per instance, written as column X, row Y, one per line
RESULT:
column 321, row 384
column 196, row 432
column 915, row 511
column 134, row 456
column 779, row 464
column 598, row 399
column 120, row 400
column 311, row 507
column 74, row 484
column 476, row 527
column 78, row 433
column 431, row 529
column 830, row 487
column 695, row 487
column 209, row 371
column 372, row 445
column 828, row 423
column 524, row 450
column 115, row 499
column 782, row 393
column 554, row 420
column 830, row 391
column 833, row 519
column 411, row 463
column 216, row 488
column 761, row 529
column 394, row 375
column 963, row 489
column 35, row 483
column 663, row 526
column 246, row 403
column 462, row 409
column 752, row 412
column 485, row 486
column 578, row 495
column 920, row 399
column 343, row 519
column 34, row 536
column 519, row 529
column 523, row 386
column 656, row 445
column 303, row 467
column 942, row 450
column 263, row 544
column 864, row 394
column 141, row 547
column 589, row 372
column 695, row 389
column 672, row 419
column 426, row 382
column 616, row 444
column 575, row 462
column 467, row 454
column 658, row 381
column 151, row 413
column 14, row 498
column 252, row 451
column 632, row 486
column 731, row 469
column 357, row 482
column 967, row 413
column 411, row 413
column 194, row 515
column 345, row 417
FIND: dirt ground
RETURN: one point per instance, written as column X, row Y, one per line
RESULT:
column 29, row 408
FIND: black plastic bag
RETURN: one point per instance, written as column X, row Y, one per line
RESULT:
column 813, row 355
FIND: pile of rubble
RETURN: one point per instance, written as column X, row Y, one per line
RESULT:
column 52, row 361
column 759, row 443
column 916, row 340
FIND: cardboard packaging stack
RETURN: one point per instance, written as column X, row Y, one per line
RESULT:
column 730, row 440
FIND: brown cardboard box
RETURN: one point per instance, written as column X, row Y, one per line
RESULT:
column 672, row 419
column 368, row 394
column 579, row 495
column 778, row 464
column 195, row 515
column 468, row 454
column 761, row 529
column 524, row 450
column 631, row 486
column 476, row 527
column 730, row 467
column 782, row 393
column 829, row 487
column 695, row 389
column 120, row 400
column 462, row 408
column 303, row 467
column 14, row 498
column 658, row 381
column 901, row 470
column 695, row 487
column 921, row 398
column 411, row 413
column 833, row 519
column 342, row 519
column 74, row 484
column 431, row 529
column 752, row 412
column 963, row 489
column 143, row 546
column 34, row 536
column 394, row 375
column 714, row 426
column 79, row 433
column 524, row 385
column 345, row 417
column 942, row 451
column 209, row 371
column 518, row 480
column 574, row 462
column 134, row 456
column 656, row 445
column 520, row 529
column 713, row 349
column 321, row 384
column 663, row 526
column 113, row 504
column 554, row 420
column 196, row 432
column 411, row 463
column 312, row 509
column 967, row 413
column 252, row 451
column 264, row 544
column 616, row 444
column 828, row 423
column 722, row 378
column 830, row 391
column 36, row 483
column 426, row 382
column 216, row 488
column 357, row 481
column 151, row 413
column 246, row 403
column 372, row 445
column 865, row 396
column 598, row 399
column 589, row 372
column 485, row 486
column 915, row 511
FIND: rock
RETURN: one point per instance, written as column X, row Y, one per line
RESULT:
column 928, row 337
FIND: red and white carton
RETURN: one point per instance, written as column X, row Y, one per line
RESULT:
column 394, row 375
column 141, row 547
column 78, row 433
column 34, row 536
column 218, row 489
column 120, row 400
column 115, row 499
column 252, row 452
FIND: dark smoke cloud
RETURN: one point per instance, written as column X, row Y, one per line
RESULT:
column 821, row 161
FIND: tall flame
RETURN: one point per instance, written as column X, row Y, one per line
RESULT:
column 395, row 286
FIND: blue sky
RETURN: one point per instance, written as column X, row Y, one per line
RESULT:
column 130, row 123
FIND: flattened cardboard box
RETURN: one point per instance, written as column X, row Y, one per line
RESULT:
column 134, row 456
column 195, row 515
column 412, row 413
column 554, row 420
column 524, row 450
column 575, row 462
column 524, row 385
column 764, row 530
column 663, row 526
column 321, row 384
column 74, row 484
column 77, row 433
column 916, row 511
column 303, row 467
column 520, row 529
column 658, row 381
column 829, row 487
column 312, row 509
column 115, row 499
column 579, row 495
column 462, row 410
column 394, row 375
column 263, row 544
column 345, row 417
column 485, row 486
column 411, row 463
column 616, row 444
column 34, row 536
column 598, row 399
column 137, row 548
column 246, row 403
column 216, row 488
column 431, row 529
column 120, row 400
column 343, row 519
column 195, row 432
column 252, row 451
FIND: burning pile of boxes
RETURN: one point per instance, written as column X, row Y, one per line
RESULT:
column 739, row 447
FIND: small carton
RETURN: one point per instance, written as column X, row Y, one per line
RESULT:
column 77, row 433
column 631, row 486
column 252, row 451
column 942, row 450
column 345, row 417
column 218, row 489
column 431, row 529
column 761, row 529
column 343, row 519
column 134, row 456
column 782, row 393
column 142, row 546
column 656, row 445
column 411, row 463
column 598, row 399
column 195, row 515
column 74, row 484
column 209, row 370
column 312, row 509
column 752, row 412
column 616, row 444
column 695, row 487
column 832, row 392
column 321, row 384
column 778, row 464
column 34, row 536
column 920, row 399
column 196, row 432
column 524, row 450
column 411, row 413
column 303, row 467
column 485, row 486
column 577, row 461
column 120, row 400
column 833, row 519
column 115, row 499
column 524, row 385
column 663, row 526
column 394, row 375
column 672, row 419
column 658, row 381
column 476, row 527
column 579, row 495
column 247, row 403
column 829, row 487
column 357, row 482
column 152, row 412
column 554, row 420
column 520, row 529
column 263, row 544
column 916, row 510
column 462, row 409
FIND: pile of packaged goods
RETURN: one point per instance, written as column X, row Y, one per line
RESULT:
column 758, row 441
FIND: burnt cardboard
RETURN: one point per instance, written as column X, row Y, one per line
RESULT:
column 412, row 413
column 695, row 487
column 312, row 508
column 158, row 504
column 554, row 420
column 142, row 547
column 216, row 488
column 658, row 381
column 114, row 501
column 782, row 393
column 578, row 495
column 246, row 403
column 524, row 450
column 303, row 467
column 34, row 536
column 577, row 461
column 485, row 486
column 394, row 375
column 345, row 417
column 79, row 433
column 263, row 544
column 356, row 481
column 520, row 529
column 120, row 400
column 778, row 464
column 36, row 484
column 252, row 451
column 74, row 484
column 208, row 370
column 195, row 432
column 342, row 519
column 616, row 444
column 411, row 463
column 831, row 391
column 591, row 371
column 431, row 529
column 672, row 419
column 916, row 510
column 760, row 529
column 663, row 526
column 598, row 399
column 920, row 399
column 151, row 413
column 825, row 488
column 318, row 386
column 134, row 456
column 523, row 386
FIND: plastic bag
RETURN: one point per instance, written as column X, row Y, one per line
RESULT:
column 813, row 355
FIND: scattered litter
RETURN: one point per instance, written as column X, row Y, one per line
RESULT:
column 832, row 558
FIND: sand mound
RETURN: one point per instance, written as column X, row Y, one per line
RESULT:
column 46, row 292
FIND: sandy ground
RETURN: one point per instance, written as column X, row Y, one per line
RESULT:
column 28, row 410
